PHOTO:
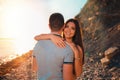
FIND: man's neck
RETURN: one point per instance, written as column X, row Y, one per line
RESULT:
column 56, row 33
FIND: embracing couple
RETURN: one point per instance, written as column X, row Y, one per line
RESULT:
column 59, row 55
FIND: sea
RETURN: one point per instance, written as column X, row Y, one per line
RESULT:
column 7, row 46
column 7, row 50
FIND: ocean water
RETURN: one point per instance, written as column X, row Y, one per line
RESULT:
column 10, row 48
column 7, row 47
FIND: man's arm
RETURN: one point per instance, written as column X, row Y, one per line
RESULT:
column 34, row 65
column 68, row 72
column 78, row 57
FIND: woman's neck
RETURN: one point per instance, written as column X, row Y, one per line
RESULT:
column 69, row 40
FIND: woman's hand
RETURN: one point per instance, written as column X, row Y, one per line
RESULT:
column 58, row 41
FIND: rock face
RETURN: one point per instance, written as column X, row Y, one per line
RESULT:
column 100, row 22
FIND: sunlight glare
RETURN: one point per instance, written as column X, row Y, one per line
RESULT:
column 22, row 21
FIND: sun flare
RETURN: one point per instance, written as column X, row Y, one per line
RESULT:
column 16, row 20
column 21, row 20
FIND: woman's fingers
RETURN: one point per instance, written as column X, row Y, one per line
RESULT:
column 61, row 44
column 58, row 41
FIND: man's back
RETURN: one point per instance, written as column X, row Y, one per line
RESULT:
column 50, row 59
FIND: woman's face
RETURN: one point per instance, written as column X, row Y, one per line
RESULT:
column 69, row 30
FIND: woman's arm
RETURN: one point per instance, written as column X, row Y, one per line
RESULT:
column 55, row 39
column 42, row 36
column 78, row 61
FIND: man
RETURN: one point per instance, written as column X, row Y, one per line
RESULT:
column 52, row 62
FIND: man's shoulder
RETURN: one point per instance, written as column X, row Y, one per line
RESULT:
column 68, row 48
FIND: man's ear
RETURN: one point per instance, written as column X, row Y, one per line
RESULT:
column 63, row 27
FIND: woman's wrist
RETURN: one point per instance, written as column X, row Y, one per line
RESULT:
column 77, row 58
column 51, row 36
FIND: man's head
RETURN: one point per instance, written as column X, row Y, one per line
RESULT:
column 56, row 22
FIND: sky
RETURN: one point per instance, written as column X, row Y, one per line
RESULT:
column 23, row 19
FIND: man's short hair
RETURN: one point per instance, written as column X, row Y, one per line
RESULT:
column 56, row 21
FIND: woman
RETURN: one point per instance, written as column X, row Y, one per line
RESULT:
column 72, row 36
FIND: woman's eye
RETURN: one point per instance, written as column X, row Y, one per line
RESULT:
column 73, row 28
column 66, row 26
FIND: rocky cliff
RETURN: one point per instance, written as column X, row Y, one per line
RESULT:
column 100, row 22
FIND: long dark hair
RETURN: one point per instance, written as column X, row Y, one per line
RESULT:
column 77, row 38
